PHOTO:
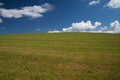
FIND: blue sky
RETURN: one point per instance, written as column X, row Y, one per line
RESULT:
column 34, row 16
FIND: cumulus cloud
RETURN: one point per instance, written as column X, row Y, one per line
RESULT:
column 94, row 2
column 114, row 4
column 1, row 20
column 1, row 4
column 29, row 11
column 82, row 26
column 89, row 27
column 115, row 26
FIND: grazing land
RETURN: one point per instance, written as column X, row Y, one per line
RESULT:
column 60, row 56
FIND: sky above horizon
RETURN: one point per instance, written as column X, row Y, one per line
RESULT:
column 34, row 16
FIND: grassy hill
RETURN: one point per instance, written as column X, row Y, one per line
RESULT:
column 60, row 56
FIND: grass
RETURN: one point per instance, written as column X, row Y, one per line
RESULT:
column 60, row 56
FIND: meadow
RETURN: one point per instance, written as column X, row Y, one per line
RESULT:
column 60, row 56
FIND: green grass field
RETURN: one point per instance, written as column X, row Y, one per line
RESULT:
column 60, row 56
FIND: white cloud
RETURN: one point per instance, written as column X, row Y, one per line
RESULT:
column 89, row 27
column 94, row 2
column 54, row 31
column 1, row 4
column 104, row 28
column 30, row 11
column 82, row 26
column 1, row 20
column 115, row 26
column 114, row 4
